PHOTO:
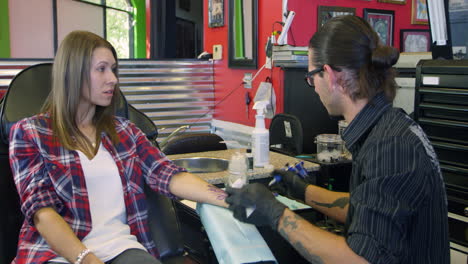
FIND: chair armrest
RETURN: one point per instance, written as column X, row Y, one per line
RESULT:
column 164, row 225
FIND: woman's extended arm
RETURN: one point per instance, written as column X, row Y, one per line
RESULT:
column 189, row 186
column 60, row 236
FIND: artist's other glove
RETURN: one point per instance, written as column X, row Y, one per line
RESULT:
column 267, row 210
column 290, row 185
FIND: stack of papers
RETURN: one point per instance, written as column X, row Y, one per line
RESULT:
column 289, row 56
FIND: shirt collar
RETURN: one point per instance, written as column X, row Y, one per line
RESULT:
column 365, row 119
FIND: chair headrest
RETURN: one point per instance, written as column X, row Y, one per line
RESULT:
column 25, row 96
column 27, row 93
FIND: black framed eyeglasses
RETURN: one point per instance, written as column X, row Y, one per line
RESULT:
column 309, row 77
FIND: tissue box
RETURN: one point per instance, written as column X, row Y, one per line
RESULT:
column 233, row 242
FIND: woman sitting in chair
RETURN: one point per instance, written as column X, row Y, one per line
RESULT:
column 80, row 171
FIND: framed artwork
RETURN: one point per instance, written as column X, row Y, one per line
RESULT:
column 382, row 21
column 243, row 34
column 327, row 12
column 419, row 12
column 399, row 2
column 215, row 13
column 415, row 40
column 184, row 5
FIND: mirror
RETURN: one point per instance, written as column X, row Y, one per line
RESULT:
column 243, row 34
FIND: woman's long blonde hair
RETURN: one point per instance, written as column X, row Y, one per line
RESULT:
column 70, row 72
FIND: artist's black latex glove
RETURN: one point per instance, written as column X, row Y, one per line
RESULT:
column 267, row 211
column 290, row 185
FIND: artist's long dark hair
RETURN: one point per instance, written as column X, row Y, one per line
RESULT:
column 349, row 43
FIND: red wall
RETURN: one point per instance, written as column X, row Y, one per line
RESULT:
column 232, row 109
column 305, row 21
column 226, row 79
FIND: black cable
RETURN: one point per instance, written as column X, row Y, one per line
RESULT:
column 273, row 26
column 233, row 90
column 292, row 36
column 216, row 104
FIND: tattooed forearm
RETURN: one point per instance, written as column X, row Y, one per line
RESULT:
column 290, row 223
column 220, row 194
column 306, row 254
column 340, row 202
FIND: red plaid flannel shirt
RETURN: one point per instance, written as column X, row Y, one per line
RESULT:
column 48, row 175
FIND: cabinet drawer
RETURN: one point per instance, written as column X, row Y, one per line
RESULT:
column 458, row 229
column 444, row 111
column 444, row 80
column 453, row 154
column 443, row 95
column 445, row 130
column 456, row 183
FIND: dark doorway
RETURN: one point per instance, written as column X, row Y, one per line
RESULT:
column 177, row 29
column 185, row 38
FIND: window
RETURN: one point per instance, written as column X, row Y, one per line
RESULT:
column 118, row 25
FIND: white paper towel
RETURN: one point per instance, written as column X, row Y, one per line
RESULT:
column 233, row 241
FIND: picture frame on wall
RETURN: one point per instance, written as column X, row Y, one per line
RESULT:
column 415, row 40
column 215, row 13
column 419, row 14
column 398, row 2
column 184, row 5
column 383, row 22
column 325, row 13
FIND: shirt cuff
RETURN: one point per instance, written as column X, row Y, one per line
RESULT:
column 370, row 249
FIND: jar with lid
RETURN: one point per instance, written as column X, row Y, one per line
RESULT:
column 342, row 125
column 329, row 147
column 237, row 176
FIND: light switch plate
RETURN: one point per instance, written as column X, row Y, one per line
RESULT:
column 217, row 52
column 247, row 80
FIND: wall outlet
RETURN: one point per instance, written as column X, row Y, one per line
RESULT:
column 247, row 80
column 268, row 63
column 459, row 52
column 217, row 52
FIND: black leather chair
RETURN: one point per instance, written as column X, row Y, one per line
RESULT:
column 24, row 98
column 286, row 134
column 196, row 142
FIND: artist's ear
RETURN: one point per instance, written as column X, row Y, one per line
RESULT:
column 331, row 77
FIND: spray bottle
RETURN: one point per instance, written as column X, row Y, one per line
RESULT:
column 260, row 136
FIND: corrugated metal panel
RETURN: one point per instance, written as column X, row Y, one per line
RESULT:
column 172, row 93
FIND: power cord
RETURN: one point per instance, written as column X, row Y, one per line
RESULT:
column 226, row 96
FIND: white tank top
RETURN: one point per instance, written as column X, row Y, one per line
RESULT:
column 110, row 233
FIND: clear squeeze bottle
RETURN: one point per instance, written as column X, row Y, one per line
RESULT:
column 260, row 137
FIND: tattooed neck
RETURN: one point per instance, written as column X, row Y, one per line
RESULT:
column 220, row 194
column 340, row 202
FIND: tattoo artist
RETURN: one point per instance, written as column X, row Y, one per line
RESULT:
column 396, row 208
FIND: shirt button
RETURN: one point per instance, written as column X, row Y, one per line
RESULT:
column 54, row 167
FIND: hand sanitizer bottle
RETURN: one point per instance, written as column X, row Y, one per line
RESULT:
column 260, row 137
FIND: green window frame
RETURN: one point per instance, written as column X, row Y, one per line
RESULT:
column 120, row 35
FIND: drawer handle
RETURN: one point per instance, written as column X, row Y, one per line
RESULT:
column 450, row 146
column 454, row 169
column 443, row 122
column 444, row 107
column 443, row 91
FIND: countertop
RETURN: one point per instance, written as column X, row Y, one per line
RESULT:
column 278, row 161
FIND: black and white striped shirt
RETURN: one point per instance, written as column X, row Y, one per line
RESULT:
column 398, row 205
